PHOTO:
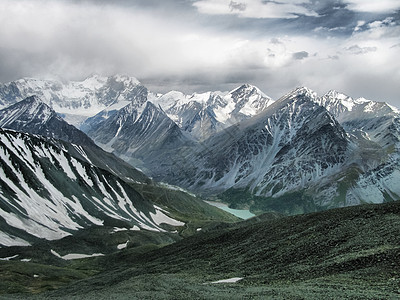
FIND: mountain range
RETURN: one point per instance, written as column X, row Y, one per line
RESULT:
column 300, row 153
column 102, row 185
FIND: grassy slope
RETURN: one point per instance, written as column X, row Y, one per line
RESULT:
column 351, row 253
column 102, row 239
column 185, row 207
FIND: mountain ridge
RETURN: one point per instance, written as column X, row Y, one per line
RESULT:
column 48, row 193
column 325, row 150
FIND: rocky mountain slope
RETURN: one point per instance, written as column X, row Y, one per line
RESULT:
column 48, row 193
column 375, row 128
column 293, row 145
column 142, row 136
column 33, row 116
column 302, row 153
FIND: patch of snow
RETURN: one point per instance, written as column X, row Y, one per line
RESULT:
column 79, row 256
column 10, row 257
column 123, row 245
column 65, row 165
column 369, row 107
column 42, row 213
column 82, row 152
column 395, row 109
column 117, row 229
column 229, row 280
column 78, row 209
column 9, row 240
column 94, row 82
column 174, row 187
column 55, row 253
column 75, row 255
column 81, row 171
column 224, row 113
column 73, row 119
column 159, row 217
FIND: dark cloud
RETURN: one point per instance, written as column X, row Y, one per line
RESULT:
column 300, row 55
column 275, row 41
column 356, row 49
column 334, row 57
column 233, row 5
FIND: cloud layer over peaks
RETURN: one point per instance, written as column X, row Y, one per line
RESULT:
column 197, row 46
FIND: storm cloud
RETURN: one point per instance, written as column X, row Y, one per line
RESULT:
column 202, row 45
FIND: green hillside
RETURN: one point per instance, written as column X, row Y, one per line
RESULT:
column 348, row 253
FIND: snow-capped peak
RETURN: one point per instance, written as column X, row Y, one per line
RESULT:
column 303, row 92
column 26, row 110
column 94, row 82
column 335, row 94
column 248, row 88
column 33, row 100
column 126, row 79
column 395, row 109
column 336, row 102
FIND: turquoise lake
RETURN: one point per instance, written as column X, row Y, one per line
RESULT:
column 240, row 213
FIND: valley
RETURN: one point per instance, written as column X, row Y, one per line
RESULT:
column 109, row 190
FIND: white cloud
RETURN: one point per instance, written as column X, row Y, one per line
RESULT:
column 359, row 26
column 374, row 6
column 75, row 39
column 255, row 8
column 379, row 30
column 46, row 38
column 356, row 49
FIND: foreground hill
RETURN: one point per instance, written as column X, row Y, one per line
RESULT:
column 348, row 253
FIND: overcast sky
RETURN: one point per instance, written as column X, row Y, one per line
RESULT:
column 352, row 46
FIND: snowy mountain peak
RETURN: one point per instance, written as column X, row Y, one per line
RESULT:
column 249, row 89
column 336, row 102
column 32, row 108
column 303, row 93
column 33, row 116
column 125, row 79
column 33, row 100
column 97, row 81
column 94, row 82
column 202, row 114
column 333, row 94
column 346, row 108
